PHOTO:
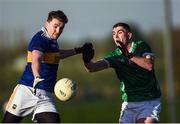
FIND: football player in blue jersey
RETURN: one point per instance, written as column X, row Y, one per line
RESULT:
column 33, row 94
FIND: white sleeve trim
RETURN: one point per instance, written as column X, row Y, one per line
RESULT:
column 145, row 54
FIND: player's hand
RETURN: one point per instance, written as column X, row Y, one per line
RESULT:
column 37, row 79
column 88, row 52
column 124, row 50
column 85, row 46
column 79, row 49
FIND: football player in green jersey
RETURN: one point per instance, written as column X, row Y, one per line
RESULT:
column 133, row 62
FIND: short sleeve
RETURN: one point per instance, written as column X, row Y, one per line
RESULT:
column 142, row 49
column 115, row 58
column 37, row 44
column 110, row 57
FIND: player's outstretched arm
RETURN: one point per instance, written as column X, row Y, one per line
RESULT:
column 96, row 66
column 87, row 56
column 64, row 53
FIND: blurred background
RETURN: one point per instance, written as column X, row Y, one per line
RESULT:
column 98, row 99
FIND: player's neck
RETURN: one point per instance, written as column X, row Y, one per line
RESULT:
column 128, row 45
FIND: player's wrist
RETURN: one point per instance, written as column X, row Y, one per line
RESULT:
column 78, row 50
column 37, row 79
column 37, row 76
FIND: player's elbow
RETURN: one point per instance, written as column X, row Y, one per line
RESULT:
column 149, row 67
column 90, row 67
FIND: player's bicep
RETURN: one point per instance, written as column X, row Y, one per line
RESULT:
column 97, row 66
column 37, row 55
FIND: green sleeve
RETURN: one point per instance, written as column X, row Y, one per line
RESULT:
column 142, row 48
column 116, row 58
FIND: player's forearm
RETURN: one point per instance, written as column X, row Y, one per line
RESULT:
column 36, row 61
column 143, row 62
column 64, row 53
column 96, row 66
column 36, row 68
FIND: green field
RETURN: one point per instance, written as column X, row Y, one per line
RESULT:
column 94, row 111
column 86, row 111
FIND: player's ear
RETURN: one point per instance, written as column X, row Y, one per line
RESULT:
column 129, row 35
column 46, row 24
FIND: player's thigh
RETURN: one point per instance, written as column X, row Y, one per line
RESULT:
column 127, row 114
column 150, row 112
column 147, row 120
column 45, row 106
column 48, row 117
column 10, row 118
column 22, row 101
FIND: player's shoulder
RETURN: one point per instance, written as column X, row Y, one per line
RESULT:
column 37, row 41
column 141, row 43
column 113, row 54
column 38, row 35
column 39, row 38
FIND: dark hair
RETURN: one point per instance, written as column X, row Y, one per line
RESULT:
column 58, row 15
column 124, row 25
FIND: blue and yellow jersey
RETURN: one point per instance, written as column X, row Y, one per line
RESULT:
column 136, row 83
column 49, row 65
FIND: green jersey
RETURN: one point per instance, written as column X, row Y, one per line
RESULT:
column 136, row 83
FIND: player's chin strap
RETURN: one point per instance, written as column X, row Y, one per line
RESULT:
column 37, row 79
